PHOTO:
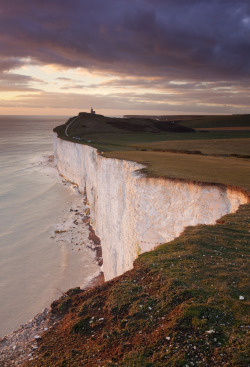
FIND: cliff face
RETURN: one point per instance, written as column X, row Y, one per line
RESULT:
column 131, row 213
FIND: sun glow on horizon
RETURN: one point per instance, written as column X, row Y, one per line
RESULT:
column 51, row 89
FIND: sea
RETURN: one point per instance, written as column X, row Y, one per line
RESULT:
column 44, row 245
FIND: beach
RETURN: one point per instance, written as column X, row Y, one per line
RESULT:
column 44, row 243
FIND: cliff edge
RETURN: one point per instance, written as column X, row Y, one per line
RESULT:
column 185, row 302
column 132, row 213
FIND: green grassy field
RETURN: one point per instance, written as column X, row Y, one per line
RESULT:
column 109, row 141
column 168, row 150
column 185, row 303
column 213, row 121
column 219, row 146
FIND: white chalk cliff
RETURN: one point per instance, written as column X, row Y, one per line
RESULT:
column 131, row 213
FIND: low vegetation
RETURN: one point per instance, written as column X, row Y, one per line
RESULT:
column 169, row 150
column 183, row 304
column 215, row 121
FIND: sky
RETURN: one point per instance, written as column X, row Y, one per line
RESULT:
column 60, row 57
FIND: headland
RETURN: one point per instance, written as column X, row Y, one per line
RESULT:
column 171, row 207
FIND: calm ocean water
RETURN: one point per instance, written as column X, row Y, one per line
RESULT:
column 40, row 252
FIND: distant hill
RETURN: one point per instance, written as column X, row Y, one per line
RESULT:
column 87, row 123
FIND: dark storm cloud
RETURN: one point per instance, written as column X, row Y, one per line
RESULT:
column 191, row 39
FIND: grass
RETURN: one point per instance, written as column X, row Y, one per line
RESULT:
column 179, row 306
column 240, row 147
column 214, row 121
column 183, row 304
column 128, row 141
column 228, row 171
column 165, row 151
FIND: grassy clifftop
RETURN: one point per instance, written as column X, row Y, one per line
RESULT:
column 87, row 123
column 185, row 303
column 170, row 150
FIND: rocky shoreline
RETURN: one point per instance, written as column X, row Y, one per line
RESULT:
column 19, row 346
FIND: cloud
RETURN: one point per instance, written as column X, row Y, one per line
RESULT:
column 191, row 40
column 10, row 81
column 15, row 82
column 65, row 79
column 8, row 63
column 74, row 86
column 205, row 101
column 224, row 92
